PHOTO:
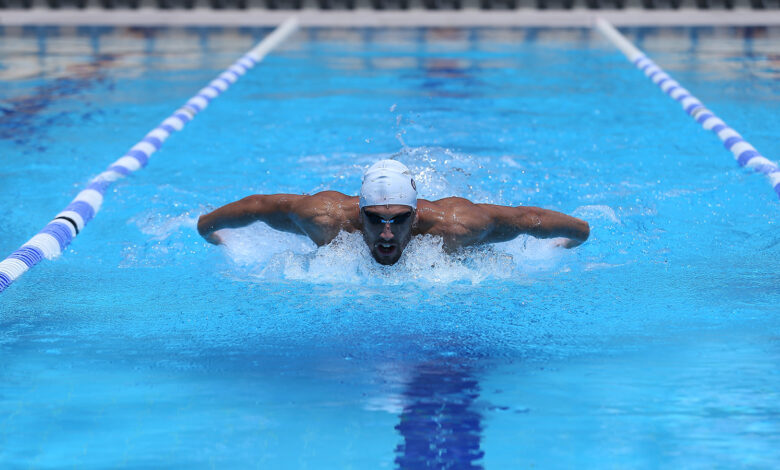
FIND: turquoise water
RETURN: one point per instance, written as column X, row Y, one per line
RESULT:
column 653, row 345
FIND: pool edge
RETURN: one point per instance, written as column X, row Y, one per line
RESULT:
column 370, row 18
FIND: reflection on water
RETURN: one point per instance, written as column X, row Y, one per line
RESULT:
column 439, row 425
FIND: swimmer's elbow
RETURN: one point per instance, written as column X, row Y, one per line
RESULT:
column 202, row 225
column 580, row 231
column 206, row 229
column 576, row 239
column 584, row 230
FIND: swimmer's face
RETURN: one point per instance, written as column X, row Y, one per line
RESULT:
column 387, row 230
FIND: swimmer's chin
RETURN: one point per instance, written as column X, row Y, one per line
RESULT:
column 387, row 260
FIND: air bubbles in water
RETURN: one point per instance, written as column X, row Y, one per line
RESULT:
column 264, row 254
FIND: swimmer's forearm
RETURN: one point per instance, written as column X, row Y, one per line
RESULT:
column 509, row 222
column 273, row 209
column 552, row 224
column 234, row 215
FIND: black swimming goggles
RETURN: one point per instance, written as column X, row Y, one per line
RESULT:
column 375, row 219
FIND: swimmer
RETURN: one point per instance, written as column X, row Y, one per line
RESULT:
column 388, row 214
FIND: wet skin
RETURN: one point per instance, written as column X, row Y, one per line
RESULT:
column 387, row 230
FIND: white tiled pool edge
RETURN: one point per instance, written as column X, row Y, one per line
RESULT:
column 57, row 235
column 371, row 18
column 744, row 153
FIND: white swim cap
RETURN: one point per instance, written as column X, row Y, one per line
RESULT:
column 388, row 182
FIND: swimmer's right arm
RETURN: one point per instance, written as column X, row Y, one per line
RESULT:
column 509, row 222
column 273, row 209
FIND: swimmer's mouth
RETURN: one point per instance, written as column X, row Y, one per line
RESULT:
column 385, row 249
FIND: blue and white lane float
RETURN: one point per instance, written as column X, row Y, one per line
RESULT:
column 746, row 154
column 57, row 235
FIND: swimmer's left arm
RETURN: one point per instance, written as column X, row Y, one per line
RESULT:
column 509, row 222
column 273, row 209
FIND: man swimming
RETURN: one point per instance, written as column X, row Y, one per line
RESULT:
column 388, row 214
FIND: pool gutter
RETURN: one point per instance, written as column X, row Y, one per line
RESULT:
column 381, row 19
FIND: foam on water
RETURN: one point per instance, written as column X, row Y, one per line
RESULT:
column 165, row 238
column 264, row 253
column 261, row 253
column 258, row 253
column 347, row 260
column 254, row 246
column 161, row 226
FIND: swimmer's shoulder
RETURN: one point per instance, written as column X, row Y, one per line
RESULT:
column 327, row 201
column 456, row 219
column 332, row 196
column 447, row 208
column 333, row 205
column 448, row 203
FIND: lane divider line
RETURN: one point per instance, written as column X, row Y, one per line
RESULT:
column 745, row 154
column 52, row 240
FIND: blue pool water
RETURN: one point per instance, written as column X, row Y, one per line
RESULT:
column 653, row 345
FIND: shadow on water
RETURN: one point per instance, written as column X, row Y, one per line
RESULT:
column 440, row 426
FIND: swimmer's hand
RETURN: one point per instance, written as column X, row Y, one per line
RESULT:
column 567, row 243
column 213, row 238
column 206, row 231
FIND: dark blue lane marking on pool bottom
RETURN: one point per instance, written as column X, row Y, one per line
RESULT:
column 439, row 424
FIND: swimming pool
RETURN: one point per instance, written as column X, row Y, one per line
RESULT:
column 655, row 344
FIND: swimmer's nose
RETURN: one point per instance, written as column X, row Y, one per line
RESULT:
column 386, row 234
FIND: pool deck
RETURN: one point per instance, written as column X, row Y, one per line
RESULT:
column 372, row 18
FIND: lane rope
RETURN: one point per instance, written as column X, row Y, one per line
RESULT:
column 745, row 154
column 52, row 240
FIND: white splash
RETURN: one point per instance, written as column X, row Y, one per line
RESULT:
column 161, row 226
column 255, row 245
column 347, row 260
column 265, row 254
column 167, row 238
column 597, row 212
column 259, row 252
